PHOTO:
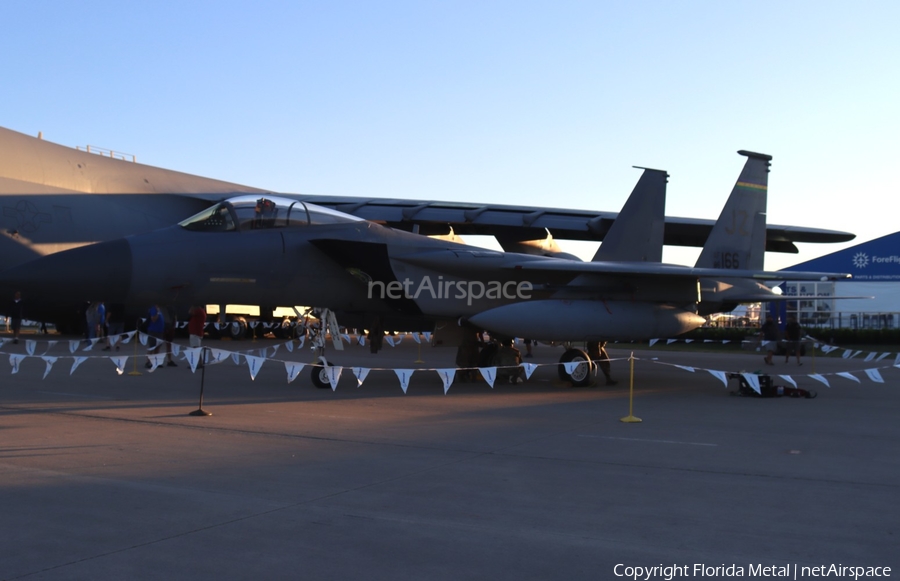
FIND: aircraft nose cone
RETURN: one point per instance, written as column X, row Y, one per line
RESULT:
column 90, row 273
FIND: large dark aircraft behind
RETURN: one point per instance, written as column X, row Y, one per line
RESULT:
column 55, row 197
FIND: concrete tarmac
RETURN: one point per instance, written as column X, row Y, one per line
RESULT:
column 107, row 476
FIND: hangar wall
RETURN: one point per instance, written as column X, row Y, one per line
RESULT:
column 875, row 266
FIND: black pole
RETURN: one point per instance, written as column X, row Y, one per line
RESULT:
column 200, row 411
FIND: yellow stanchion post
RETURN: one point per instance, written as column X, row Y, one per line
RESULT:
column 630, row 419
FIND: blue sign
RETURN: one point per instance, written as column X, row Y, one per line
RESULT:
column 875, row 260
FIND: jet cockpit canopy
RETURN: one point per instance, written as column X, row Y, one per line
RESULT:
column 255, row 212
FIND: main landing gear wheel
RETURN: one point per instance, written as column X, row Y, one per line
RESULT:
column 581, row 375
column 320, row 377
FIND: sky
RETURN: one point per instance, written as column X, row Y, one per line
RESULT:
column 514, row 102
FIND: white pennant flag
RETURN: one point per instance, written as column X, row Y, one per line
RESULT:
column 192, row 355
column 529, row 369
column 236, row 357
column 571, row 366
column 90, row 344
column 289, row 346
column 361, row 340
column 127, row 337
column 416, row 338
column 874, row 375
column 490, row 374
column 120, row 362
column 849, row 375
column 670, row 341
column 4, row 341
column 653, row 342
column 156, row 360
column 685, row 367
column 346, row 338
column 143, row 337
column 788, row 379
column 447, row 376
column 302, row 341
column 73, row 346
column 334, row 375
column 360, row 373
column 870, row 356
column 254, row 363
column 14, row 361
column 275, row 349
column 688, row 340
column 217, row 356
column 50, row 361
column 427, row 336
column 75, row 363
column 726, row 341
column 29, row 346
column 176, row 349
column 293, row 370
column 50, row 345
column 720, row 375
column 818, row 377
column 404, row 375
column 389, row 340
column 753, row 381
column 882, row 356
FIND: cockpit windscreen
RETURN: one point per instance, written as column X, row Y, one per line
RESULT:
column 255, row 212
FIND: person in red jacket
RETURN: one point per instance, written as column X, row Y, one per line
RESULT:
column 196, row 324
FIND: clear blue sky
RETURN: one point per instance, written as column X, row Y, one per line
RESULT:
column 539, row 103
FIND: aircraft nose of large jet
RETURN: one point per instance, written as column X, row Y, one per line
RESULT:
column 89, row 273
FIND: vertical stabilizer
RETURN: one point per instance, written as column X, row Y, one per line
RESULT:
column 637, row 233
column 738, row 239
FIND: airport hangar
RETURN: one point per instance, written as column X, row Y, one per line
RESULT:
column 875, row 266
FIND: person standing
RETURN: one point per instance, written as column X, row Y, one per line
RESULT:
column 770, row 338
column 793, row 334
column 115, row 325
column 196, row 325
column 156, row 329
column 16, row 313
column 596, row 350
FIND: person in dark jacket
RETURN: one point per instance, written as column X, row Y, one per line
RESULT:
column 770, row 338
column 793, row 333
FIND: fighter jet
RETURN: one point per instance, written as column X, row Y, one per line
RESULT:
column 268, row 250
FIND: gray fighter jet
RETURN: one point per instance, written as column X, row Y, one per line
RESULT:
column 268, row 250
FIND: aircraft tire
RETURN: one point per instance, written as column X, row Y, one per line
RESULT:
column 237, row 329
column 319, row 378
column 581, row 377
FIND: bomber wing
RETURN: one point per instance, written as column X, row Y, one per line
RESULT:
column 31, row 168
